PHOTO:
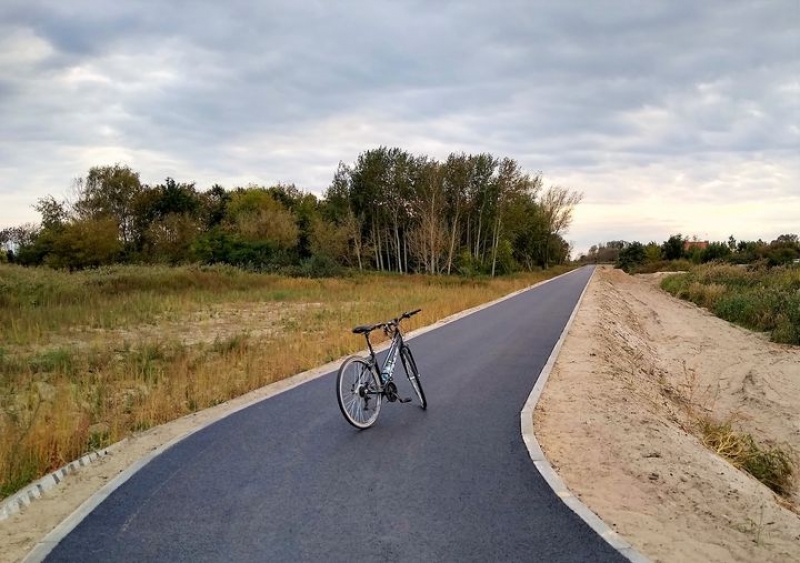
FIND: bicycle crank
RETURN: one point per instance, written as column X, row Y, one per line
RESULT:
column 390, row 390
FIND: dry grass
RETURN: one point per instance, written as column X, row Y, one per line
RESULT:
column 772, row 465
column 88, row 358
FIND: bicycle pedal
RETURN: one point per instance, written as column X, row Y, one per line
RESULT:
column 402, row 400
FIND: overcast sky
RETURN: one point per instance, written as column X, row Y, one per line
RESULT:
column 672, row 116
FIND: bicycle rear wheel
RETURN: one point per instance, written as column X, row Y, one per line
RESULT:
column 357, row 392
column 410, row 367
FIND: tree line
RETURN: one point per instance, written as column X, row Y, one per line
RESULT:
column 639, row 257
column 388, row 211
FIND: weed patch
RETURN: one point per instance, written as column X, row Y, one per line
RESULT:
column 772, row 465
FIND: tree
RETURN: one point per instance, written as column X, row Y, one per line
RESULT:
column 170, row 238
column 85, row 243
column 672, row 249
column 54, row 213
column 329, row 240
column 255, row 215
column 791, row 238
column 558, row 205
column 109, row 191
column 715, row 251
column 428, row 237
column 631, row 256
column 652, row 252
column 457, row 172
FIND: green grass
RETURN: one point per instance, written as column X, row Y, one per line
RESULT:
column 765, row 300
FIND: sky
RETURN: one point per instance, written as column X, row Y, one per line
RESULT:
column 670, row 117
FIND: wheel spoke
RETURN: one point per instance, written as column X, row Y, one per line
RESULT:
column 355, row 393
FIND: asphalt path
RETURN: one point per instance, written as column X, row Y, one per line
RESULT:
column 288, row 479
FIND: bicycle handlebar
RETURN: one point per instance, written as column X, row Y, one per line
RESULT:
column 385, row 325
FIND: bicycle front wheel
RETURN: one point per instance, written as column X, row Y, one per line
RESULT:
column 410, row 367
column 357, row 392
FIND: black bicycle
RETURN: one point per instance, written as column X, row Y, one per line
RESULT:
column 361, row 385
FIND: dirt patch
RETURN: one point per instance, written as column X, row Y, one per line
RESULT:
column 615, row 422
column 218, row 322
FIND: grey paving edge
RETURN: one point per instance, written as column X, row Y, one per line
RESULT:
column 543, row 465
column 35, row 490
column 45, row 546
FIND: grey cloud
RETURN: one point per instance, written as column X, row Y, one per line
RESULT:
column 581, row 86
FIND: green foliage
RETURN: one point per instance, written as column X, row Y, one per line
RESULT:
column 759, row 299
column 256, row 216
column 672, row 249
column 319, row 266
column 222, row 247
column 652, row 252
column 631, row 256
column 388, row 211
column 84, row 243
column 108, row 192
column 467, row 265
column 715, row 251
column 60, row 360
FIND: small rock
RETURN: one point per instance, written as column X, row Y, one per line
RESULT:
column 653, row 477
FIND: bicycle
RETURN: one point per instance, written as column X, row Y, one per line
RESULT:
column 361, row 385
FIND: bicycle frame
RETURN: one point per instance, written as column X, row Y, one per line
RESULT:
column 390, row 363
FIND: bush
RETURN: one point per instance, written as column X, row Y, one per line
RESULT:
column 319, row 266
column 715, row 251
column 631, row 256
column 663, row 266
column 759, row 299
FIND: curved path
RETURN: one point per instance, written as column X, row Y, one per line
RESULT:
column 288, row 479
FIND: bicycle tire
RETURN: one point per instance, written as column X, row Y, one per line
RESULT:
column 410, row 367
column 356, row 393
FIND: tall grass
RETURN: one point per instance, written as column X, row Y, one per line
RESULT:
column 78, row 371
column 766, row 300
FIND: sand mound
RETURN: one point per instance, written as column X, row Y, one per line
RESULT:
column 617, row 422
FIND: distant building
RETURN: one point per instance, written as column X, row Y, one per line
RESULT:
column 692, row 244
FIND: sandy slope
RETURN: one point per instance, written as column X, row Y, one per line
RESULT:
column 614, row 421
column 610, row 421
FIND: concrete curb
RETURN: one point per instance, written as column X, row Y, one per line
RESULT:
column 35, row 490
column 45, row 546
column 546, row 470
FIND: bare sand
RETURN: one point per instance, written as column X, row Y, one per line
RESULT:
column 611, row 421
column 616, row 422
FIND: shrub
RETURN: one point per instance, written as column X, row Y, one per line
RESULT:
column 631, row 256
column 759, row 299
column 319, row 266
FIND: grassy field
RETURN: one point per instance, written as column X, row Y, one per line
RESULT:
column 766, row 300
column 87, row 358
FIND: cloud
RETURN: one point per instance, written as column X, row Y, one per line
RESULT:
column 656, row 111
